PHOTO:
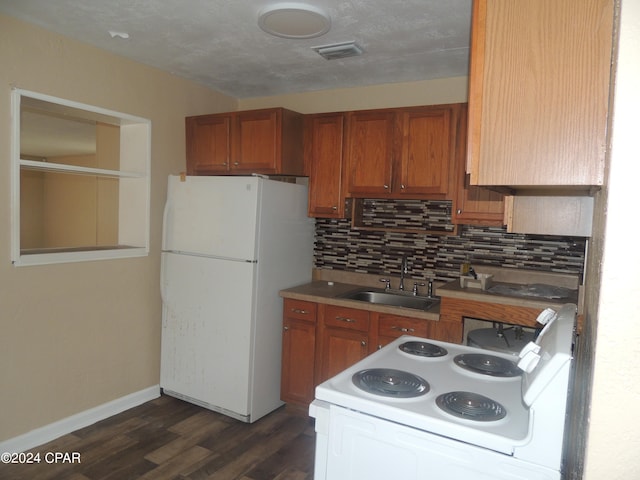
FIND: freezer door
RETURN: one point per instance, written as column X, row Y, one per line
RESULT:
column 213, row 216
column 207, row 331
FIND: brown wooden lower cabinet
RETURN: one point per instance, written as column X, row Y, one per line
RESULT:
column 298, row 352
column 343, row 339
column 321, row 340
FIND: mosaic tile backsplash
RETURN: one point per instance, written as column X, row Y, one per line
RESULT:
column 340, row 247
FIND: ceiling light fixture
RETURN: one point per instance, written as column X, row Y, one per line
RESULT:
column 338, row 50
column 294, row 20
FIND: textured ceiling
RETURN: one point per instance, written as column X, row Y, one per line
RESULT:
column 218, row 42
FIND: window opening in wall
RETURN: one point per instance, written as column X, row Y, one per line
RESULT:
column 80, row 181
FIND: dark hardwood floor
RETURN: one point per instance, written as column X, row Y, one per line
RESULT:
column 167, row 438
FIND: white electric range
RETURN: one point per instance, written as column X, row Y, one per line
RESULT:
column 418, row 408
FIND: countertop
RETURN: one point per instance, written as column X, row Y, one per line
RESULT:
column 328, row 285
column 454, row 290
column 328, row 292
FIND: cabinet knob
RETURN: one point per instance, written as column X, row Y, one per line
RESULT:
column 386, row 187
column 345, row 319
column 403, row 187
column 334, row 208
column 286, row 328
column 459, row 211
column 363, row 343
column 297, row 310
column 236, row 163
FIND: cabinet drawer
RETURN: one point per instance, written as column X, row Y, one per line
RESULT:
column 299, row 309
column 395, row 326
column 350, row 318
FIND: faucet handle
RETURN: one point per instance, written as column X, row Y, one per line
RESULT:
column 415, row 287
column 387, row 283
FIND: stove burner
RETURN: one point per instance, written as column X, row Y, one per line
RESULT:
column 488, row 364
column 423, row 349
column 471, row 406
column 388, row 382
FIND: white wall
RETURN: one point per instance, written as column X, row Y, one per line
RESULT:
column 75, row 336
column 613, row 442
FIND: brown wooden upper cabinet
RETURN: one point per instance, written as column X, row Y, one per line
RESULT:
column 473, row 205
column 267, row 141
column 538, row 92
column 396, row 153
column 324, row 143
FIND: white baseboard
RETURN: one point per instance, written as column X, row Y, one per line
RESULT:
column 83, row 419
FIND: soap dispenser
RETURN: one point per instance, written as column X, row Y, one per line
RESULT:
column 465, row 266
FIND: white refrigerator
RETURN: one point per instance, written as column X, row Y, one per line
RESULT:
column 229, row 245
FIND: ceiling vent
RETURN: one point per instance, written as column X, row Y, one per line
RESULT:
column 338, row 50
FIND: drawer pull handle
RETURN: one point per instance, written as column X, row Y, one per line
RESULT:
column 403, row 329
column 345, row 319
column 297, row 310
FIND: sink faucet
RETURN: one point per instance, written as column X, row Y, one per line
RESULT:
column 403, row 271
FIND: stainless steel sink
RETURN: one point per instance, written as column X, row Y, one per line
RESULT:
column 394, row 299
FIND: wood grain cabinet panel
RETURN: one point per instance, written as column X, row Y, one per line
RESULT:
column 473, row 205
column 402, row 152
column 324, row 145
column 208, row 140
column 298, row 352
column 427, row 159
column 539, row 92
column 391, row 327
column 343, row 339
column 342, row 317
column 267, row 141
column 370, row 151
column 340, row 349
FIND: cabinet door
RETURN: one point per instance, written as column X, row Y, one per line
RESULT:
column 539, row 92
column 370, row 152
column 208, row 144
column 256, row 141
column 473, row 205
column 341, row 348
column 478, row 206
column 451, row 332
column 324, row 141
column 344, row 339
column 298, row 352
column 298, row 361
column 428, row 149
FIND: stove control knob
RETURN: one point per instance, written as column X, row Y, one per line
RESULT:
column 529, row 347
column 547, row 315
column 529, row 362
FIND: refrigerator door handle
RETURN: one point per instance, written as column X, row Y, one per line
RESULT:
column 163, row 292
column 165, row 217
